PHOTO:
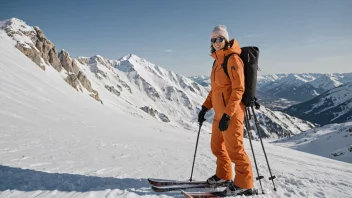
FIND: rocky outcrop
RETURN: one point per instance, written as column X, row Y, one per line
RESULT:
column 31, row 53
column 39, row 47
column 84, row 81
column 68, row 63
column 76, row 78
column 112, row 90
column 83, row 60
column 32, row 42
column 155, row 113
column 95, row 95
column 72, row 80
column 47, row 49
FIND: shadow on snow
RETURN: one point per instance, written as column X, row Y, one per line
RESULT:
column 32, row 180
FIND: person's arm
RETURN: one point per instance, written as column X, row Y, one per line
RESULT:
column 207, row 103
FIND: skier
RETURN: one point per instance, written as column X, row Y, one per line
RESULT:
column 227, row 128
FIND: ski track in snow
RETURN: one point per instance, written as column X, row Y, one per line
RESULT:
column 56, row 142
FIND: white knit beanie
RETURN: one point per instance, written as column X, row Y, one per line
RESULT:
column 220, row 30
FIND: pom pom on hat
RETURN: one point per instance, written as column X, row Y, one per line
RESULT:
column 220, row 30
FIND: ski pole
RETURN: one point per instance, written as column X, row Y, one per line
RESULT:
column 259, row 177
column 200, row 125
column 261, row 141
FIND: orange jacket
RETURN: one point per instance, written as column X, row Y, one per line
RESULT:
column 226, row 94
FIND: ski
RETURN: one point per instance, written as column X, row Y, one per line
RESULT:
column 165, row 182
column 214, row 194
column 178, row 187
column 185, row 186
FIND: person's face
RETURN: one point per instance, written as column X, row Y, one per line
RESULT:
column 218, row 42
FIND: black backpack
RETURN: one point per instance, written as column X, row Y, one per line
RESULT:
column 249, row 56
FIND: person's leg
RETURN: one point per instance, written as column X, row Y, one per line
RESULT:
column 233, row 137
column 223, row 162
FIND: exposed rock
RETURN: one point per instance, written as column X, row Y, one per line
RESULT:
column 119, row 87
column 124, row 84
column 95, row 95
column 31, row 53
column 84, row 81
column 32, row 42
column 47, row 49
column 72, row 80
column 83, row 60
column 68, row 63
column 155, row 113
column 337, row 154
column 163, row 117
column 112, row 90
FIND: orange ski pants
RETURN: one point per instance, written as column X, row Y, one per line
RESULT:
column 228, row 147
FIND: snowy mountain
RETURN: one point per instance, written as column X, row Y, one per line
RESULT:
column 276, row 124
column 202, row 80
column 171, row 94
column 279, row 91
column 59, row 142
column 301, row 87
column 146, row 85
column 326, row 82
column 333, row 141
column 333, row 106
column 164, row 95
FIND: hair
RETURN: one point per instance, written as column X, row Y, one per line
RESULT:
column 227, row 46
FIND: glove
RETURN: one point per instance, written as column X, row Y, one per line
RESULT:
column 201, row 114
column 224, row 122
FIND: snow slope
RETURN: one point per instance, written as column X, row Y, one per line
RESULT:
column 57, row 142
column 333, row 141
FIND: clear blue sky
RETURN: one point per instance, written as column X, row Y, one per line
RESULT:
column 294, row 36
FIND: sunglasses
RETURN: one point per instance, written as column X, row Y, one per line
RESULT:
column 219, row 39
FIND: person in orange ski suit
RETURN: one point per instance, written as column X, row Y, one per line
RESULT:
column 227, row 128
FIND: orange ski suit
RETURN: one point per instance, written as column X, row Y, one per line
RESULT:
column 225, row 97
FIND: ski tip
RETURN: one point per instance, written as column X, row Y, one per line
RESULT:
column 154, row 182
column 156, row 189
column 185, row 194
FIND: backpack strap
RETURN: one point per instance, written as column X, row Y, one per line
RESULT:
column 224, row 64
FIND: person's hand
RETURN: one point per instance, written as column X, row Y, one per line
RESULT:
column 224, row 122
column 201, row 114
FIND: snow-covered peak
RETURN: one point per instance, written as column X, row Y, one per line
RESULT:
column 297, row 79
column 19, row 31
column 16, row 25
column 326, row 81
column 129, row 56
column 98, row 59
column 344, row 77
column 273, row 81
column 202, row 80
column 268, row 78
